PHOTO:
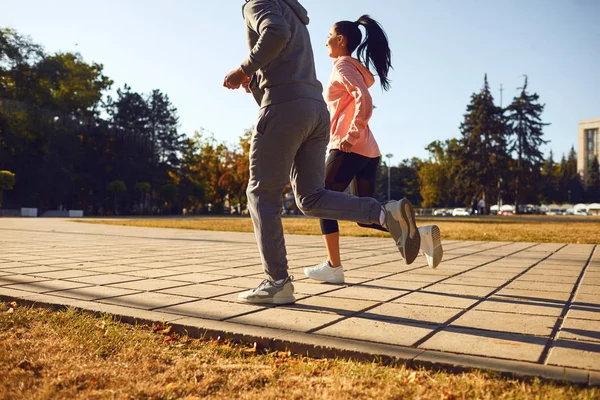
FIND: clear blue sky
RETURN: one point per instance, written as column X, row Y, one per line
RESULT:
column 441, row 51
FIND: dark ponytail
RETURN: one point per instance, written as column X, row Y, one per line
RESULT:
column 374, row 50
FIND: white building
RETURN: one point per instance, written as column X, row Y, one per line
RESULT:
column 588, row 145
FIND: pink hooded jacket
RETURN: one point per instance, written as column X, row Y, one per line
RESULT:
column 350, row 106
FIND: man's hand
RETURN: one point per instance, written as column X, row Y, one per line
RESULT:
column 235, row 79
column 345, row 146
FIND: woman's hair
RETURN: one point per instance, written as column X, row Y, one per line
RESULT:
column 374, row 50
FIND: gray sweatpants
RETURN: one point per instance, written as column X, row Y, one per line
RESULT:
column 289, row 144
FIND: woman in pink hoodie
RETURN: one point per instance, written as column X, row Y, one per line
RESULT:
column 354, row 154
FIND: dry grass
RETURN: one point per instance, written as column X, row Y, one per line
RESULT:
column 66, row 354
column 514, row 229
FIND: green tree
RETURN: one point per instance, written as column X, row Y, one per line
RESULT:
column 526, row 128
column 7, row 182
column 549, row 180
column 571, row 188
column 169, row 194
column 482, row 153
column 436, row 175
column 116, row 187
column 143, row 188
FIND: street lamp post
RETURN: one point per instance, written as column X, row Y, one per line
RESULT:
column 389, row 156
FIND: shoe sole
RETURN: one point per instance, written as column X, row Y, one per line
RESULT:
column 277, row 300
column 322, row 280
column 438, row 251
column 411, row 240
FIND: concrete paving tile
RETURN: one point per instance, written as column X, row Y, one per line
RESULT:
column 505, row 276
column 196, row 268
column 589, row 289
column 476, row 281
column 414, row 277
column 12, row 279
column 487, row 344
column 361, row 273
column 584, row 312
column 535, row 295
column 310, row 287
column 461, row 290
column 386, row 283
column 287, row 319
column 105, row 279
column 530, row 277
column 154, row 273
column 65, row 274
column 147, row 300
column 505, row 322
column 588, row 299
column 331, row 305
column 198, row 277
column 8, row 265
column 211, row 309
column 389, row 332
column 149, row 284
column 411, row 313
column 201, row 290
column 365, row 293
column 116, row 269
column 47, row 286
column 440, row 300
column 33, row 270
column 580, row 329
column 93, row 293
column 243, row 283
column 555, row 271
column 575, row 354
column 518, row 305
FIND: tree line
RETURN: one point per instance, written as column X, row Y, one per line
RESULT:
column 66, row 143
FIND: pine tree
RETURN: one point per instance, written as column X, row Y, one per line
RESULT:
column 483, row 153
column 549, row 180
column 526, row 128
column 570, row 186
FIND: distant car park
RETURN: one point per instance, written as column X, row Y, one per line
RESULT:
column 461, row 212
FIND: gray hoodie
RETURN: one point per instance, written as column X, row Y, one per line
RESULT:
column 281, row 61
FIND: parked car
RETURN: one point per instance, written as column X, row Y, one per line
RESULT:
column 460, row 212
column 440, row 211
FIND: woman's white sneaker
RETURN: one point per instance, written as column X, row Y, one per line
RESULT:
column 325, row 273
column 431, row 244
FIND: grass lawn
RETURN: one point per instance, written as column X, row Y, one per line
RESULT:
column 69, row 355
column 513, row 229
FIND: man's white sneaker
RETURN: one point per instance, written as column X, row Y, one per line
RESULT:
column 431, row 244
column 325, row 273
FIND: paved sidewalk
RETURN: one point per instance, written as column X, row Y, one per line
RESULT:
column 523, row 308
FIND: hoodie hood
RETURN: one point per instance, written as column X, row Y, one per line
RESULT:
column 368, row 77
column 299, row 10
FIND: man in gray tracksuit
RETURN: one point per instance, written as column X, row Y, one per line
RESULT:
column 289, row 144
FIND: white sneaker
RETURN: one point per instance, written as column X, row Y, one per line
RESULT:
column 325, row 273
column 431, row 244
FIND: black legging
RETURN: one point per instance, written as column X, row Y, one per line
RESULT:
column 343, row 169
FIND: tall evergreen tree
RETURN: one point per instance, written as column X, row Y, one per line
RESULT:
column 526, row 131
column 483, row 155
column 570, row 186
column 163, row 128
column 549, row 180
